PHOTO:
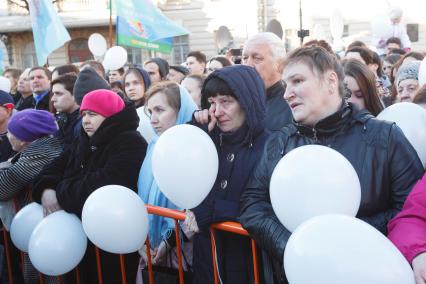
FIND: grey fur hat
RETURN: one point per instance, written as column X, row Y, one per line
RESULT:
column 408, row 71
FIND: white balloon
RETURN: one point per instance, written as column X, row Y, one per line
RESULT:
column 5, row 84
column 57, row 244
column 185, row 165
column 115, row 58
column 145, row 127
column 97, row 44
column 313, row 180
column 411, row 118
column 336, row 24
column 335, row 249
column 422, row 72
column 23, row 225
column 115, row 219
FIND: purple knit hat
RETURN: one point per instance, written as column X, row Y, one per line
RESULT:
column 30, row 124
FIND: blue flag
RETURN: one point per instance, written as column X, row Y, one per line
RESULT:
column 48, row 31
column 147, row 20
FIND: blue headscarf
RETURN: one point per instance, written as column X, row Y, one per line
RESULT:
column 160, row 228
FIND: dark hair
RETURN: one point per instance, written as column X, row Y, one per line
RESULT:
column 95, row 65
column 365, row 53
column 414, row 54
column 399, row 51
column 367, row 84
column 420, row 97
column 46, row 71
column 319, row 61
column 67, row 80
column 222, row 59
column 65, row 69
column 213, row 87
column 201, row 57
column 14, row 71
column 356, row 43
column 394, row 40
column 378, row 61
column 392, row 58
column 199, row 78
column 170, row 89
column 321, row 43
column 119, row 70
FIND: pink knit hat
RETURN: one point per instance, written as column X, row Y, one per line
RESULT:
column 103, row 102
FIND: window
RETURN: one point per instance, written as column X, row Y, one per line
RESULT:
column 137, row 55
column 78, row 50
column 413, row 32
column 28, row 56
column 180, row 49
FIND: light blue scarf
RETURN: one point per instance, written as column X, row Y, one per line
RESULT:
column 160, row 228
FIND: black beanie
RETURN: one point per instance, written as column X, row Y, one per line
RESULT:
column 163, row 66
column 88, row 80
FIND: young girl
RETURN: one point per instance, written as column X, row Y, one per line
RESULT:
column 109, row 151
column 136, row 83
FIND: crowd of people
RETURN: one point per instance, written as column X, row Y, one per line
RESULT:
column 66, row 133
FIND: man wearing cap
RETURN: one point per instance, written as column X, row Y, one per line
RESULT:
column 157, row 69
column 177, row 73
column 6, row 109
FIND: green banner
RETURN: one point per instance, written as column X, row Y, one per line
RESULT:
column 138, row 42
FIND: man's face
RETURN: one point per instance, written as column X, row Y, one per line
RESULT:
column 62, row 99
column 39, row 81
column 391, row 46
column 259, row 55
column 153, row 71
column 194, row 66
column 114, row 75
column 5, row 114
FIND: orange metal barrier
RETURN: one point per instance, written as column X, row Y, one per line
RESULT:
column 231, row 227
column 236, row 228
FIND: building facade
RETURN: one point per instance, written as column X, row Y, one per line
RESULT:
column 203, row 18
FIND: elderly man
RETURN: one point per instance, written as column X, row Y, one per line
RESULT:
column 265, row 52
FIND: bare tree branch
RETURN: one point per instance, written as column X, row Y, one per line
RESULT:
column 24, row 3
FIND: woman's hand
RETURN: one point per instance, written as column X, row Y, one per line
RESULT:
column 189, row 226
column 160, row 253
column 206, row 116
column 49, row 202
column 419, row 268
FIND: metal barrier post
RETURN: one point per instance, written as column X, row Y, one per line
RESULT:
column 179, row 254
column 123, row 270
column 216, row 281
column 148, row 255
column 98, row 265
column 8, row 255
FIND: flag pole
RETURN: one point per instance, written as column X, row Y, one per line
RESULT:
column 110, row 23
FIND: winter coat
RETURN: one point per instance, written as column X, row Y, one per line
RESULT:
column 26, row 165
column 408, row 229
column 113, row 155
column 69, row 128
column 238, row 153
column 24, row 103
column 278, row 113
column 6, row 151
column 386, row 163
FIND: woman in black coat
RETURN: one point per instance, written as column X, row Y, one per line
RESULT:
column 386, row 164
column 233, row 99
column 109, row 151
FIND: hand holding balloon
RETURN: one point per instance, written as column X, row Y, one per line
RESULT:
column 49, row 202
column 419, row 268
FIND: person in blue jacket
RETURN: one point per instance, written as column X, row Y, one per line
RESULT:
column 233, row 114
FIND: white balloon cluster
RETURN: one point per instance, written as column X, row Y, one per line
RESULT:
column 315, row 192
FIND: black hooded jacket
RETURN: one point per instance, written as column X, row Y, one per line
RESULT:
column 113, row 155
column 386, row 163
column 278, row 113
column 238, row 154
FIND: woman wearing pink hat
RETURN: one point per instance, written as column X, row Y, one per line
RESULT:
column 109, row 151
